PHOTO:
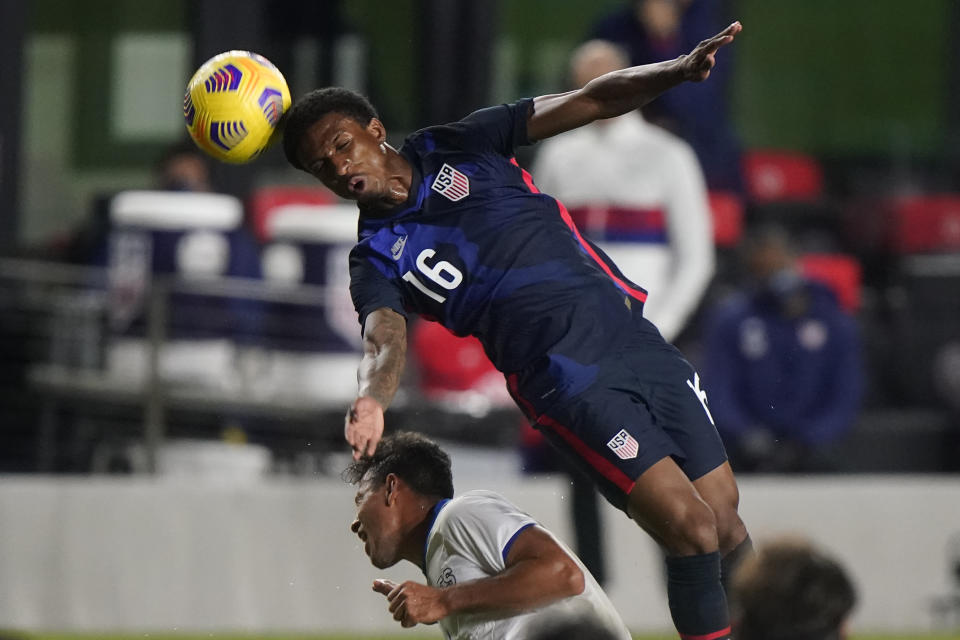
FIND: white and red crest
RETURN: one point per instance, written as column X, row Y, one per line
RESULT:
column 624, row 445
column 451, row 184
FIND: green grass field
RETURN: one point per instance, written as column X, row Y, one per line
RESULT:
column 399, row 636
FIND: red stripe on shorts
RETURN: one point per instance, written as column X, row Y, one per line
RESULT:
column 603, row 466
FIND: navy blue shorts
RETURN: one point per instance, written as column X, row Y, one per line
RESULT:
column 646, row 403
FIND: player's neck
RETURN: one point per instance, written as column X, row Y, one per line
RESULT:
column 421, row 521
column 399, row 178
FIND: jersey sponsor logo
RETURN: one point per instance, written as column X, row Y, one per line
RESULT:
column 446, row 578
column 397, row 249
column 451, row 184
column 624, row 445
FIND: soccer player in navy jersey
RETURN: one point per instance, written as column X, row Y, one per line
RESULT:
column 451, row 228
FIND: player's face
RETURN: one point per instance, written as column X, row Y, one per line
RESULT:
column 377, row 523
column 349, row 158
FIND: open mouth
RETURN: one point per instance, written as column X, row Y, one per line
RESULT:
column 357, row 184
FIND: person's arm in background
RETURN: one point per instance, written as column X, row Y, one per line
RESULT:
column 690, row 237
column 538, row 572
column 618, row 92
column 384, row 354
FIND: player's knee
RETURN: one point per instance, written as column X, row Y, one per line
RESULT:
column 692, row 529
column 730, row 530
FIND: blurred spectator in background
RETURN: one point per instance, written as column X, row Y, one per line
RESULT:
column 652, row 30
column 181, row 167
column 638, row 192
column 783, row 360
column 790, row 590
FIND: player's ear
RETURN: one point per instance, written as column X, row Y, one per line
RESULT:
column 390, row 485
column 376, row 128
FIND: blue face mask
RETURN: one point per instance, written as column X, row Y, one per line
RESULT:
column 783, row 282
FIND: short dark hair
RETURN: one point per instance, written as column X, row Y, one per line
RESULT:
column 414, row 458
column 313, row 106
column 791, row 591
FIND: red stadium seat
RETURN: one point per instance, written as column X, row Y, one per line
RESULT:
column 838, row 271
column 264, row 201
column 782, row 176
column 448, row 362
column 727, row 210
column 925, row 223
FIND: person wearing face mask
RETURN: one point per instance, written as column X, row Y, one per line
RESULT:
column 492, row 572
column 784, row 361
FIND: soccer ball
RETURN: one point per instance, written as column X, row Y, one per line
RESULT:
column 233, row 104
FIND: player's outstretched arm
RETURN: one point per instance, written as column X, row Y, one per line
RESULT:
column 618, row 92
column 538, row 572
column 384, row 352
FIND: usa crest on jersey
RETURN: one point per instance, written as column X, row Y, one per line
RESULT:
column 624, row 445
column 451, row 184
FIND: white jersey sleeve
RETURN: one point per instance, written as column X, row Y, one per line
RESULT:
column 470, row 539
column 483, row 525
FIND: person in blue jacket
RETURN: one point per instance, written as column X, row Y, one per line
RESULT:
column 784, row 363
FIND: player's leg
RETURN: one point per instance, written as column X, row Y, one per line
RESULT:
column 719, row 489
column 667, row 505
column 612, row 435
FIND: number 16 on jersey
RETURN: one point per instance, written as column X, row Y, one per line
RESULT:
column 441, row 272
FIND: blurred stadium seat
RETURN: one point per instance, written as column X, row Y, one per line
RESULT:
column 265, row 201
column 774, row 175
column 925, row 223
column 179, row 235
column 840, row 272
column 727, row 210
column 313, row 349
column 787, row 188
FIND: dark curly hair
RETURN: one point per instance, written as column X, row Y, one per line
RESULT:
column 312, row 107
column 414, row 458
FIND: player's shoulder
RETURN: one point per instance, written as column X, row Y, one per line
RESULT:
column 477, row 497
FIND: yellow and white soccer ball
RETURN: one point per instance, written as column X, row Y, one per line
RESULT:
column 233, row 104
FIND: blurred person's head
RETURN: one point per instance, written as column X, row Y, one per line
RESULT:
column 396, row 489
column 594, row 58
column 772, row 266
column 183, row 167
column 573, row 630
column 660, row 18
column 790, row 590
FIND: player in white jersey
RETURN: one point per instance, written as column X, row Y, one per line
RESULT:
column 493, row 573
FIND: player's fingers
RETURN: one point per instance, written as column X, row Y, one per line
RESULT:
column 372, row 446
column 395, row 593
column 734, row 28
column 383, row 586
column 399, row 610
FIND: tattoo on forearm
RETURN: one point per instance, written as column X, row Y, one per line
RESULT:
column 385, row 353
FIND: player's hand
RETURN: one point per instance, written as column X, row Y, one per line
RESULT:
column 363, row 426
column 698, row 63
column 412, row 603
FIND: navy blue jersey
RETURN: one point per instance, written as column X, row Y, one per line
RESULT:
column 477, row 248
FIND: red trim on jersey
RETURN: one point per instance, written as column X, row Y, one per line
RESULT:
column 526, row 176
column 513, row 387
column 603, row 466
column 707, row 636
column 635, row 293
